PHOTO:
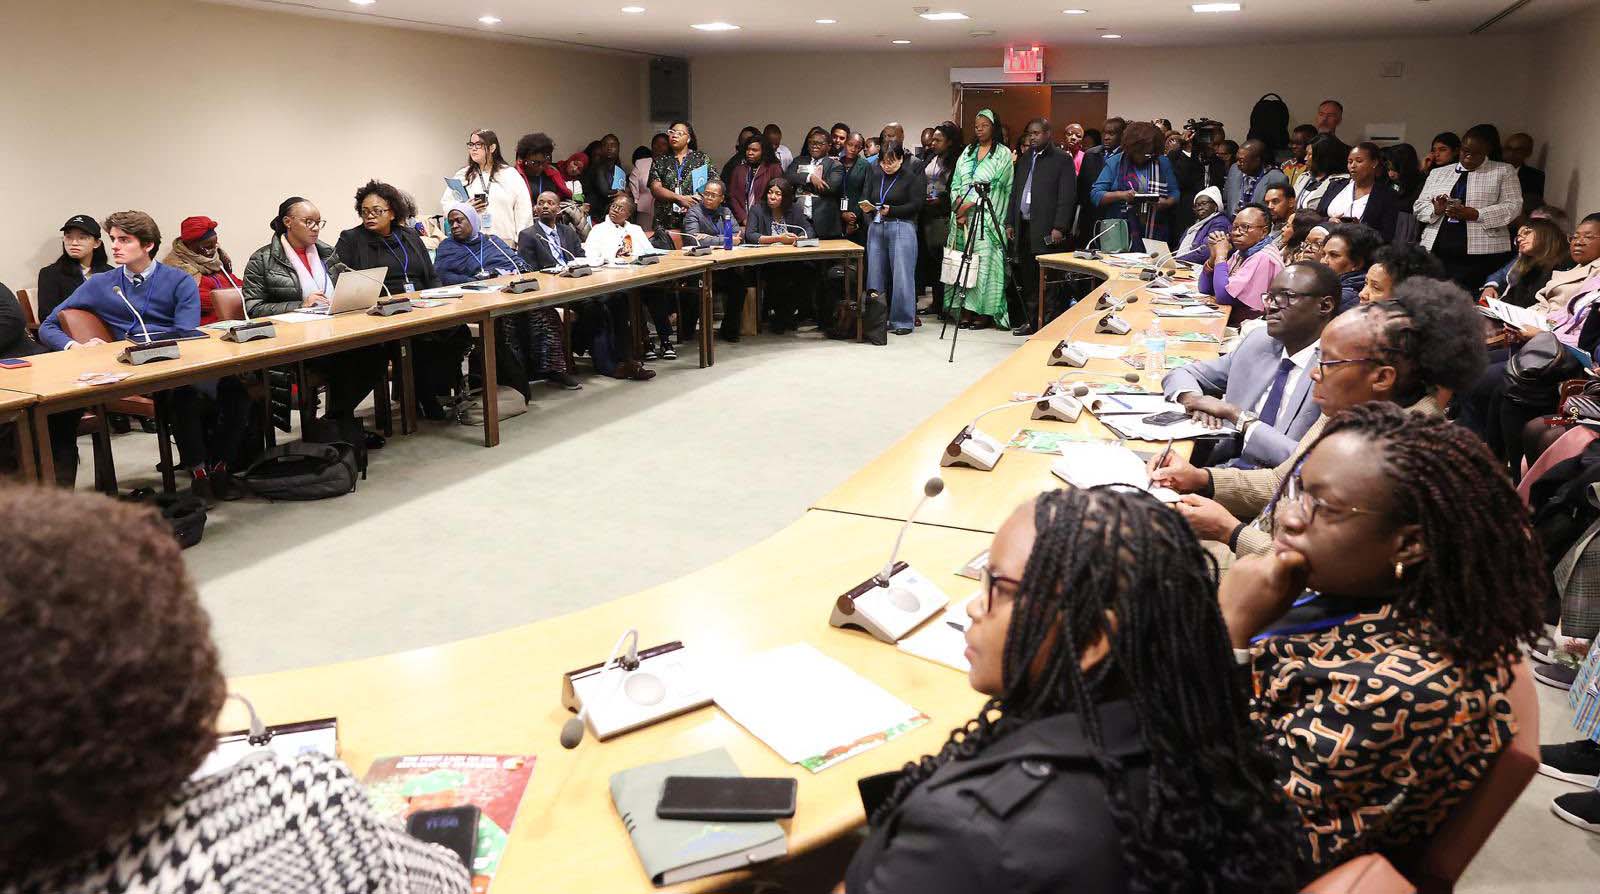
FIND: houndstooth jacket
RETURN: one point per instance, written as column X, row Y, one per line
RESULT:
column 266, row 827
column 1493, row 189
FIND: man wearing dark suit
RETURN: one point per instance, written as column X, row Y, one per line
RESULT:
column 1263, row 387
column 1044, row 196
column 1517, row 150
column 1094, row 161
column 818, row 181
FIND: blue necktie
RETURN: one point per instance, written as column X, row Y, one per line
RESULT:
column 1269, row 410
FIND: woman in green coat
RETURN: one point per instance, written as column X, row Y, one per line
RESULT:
column 985, row 161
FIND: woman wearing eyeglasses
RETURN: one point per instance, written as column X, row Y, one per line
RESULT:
column 494, row 188
column 1243, row 262
column 677, row 177
column 1382, row 629
column 1467, row 207
column 1114, row 753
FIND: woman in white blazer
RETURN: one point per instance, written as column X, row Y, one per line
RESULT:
column 1466, row 208
column 495, row 189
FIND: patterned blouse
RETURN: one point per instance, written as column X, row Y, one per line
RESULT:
column 1376, row 735
column 677, row 177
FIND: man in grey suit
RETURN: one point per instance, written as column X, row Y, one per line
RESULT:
column 1263, row 387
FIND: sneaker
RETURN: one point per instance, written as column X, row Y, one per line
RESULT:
column 1576, row 762
column 666, row 352
column 1543, row 650
column 1559, row 676
column 1582, row 809
column 562, row 380
column 902, row 331
column 649, row 354
column 200, row 486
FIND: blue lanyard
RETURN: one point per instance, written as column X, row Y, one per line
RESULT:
column 481, row 240
column 883, row 193
column 680, row 166
column 405, row 262
column 1313, row 626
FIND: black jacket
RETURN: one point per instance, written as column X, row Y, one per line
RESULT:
column 1383, row 206
column 597, row 191
column 271, row 285
column 1094, row 161
column 825, row 201
column 363, row 249
column 1192, row 176
column 534, row 249
column 1053, row 200
column 759, row 223
column 908, row 190
column 697, row 221
column 57, row 282
column 14, row 338
column 1029, row 813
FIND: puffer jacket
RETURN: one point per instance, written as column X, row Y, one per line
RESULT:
column 270, row 283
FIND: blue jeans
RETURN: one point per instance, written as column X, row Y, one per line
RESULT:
column 892, row 248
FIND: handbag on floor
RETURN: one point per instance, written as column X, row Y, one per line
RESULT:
column 184, row 513
column 509, row 403
column 950, row 268
column 875, row 319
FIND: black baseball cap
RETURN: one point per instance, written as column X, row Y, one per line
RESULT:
column 82, row 222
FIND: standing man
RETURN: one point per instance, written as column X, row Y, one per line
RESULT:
column 774, row 135
column 818, row 180
column 1251, row 176
column 1039, row 214
column 1094, row 160
column 839, row 133
column 1516, row 152
column 894, row 131
column 1329, row 116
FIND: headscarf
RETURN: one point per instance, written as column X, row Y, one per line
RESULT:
column 1188, row 241
column 987, row 113
column 473, row 221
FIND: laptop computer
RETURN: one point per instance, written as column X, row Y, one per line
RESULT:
column 355, row 290
column 1160, row 254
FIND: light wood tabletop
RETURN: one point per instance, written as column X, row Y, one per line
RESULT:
column 771, row 254
column 501, row 694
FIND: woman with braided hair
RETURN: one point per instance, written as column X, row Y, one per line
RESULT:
column 1115, row 752
column 1382, row 629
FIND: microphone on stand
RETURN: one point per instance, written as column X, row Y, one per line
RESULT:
column 971, row 447
column 802, row 240
column 147, row 351
column 891, row 603
column 1065, row 353
column 249, row 330
column 932, row 488
column 572, row 731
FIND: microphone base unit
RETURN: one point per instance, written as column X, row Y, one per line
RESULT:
column 138, row 355
column 1113, row 325
column 1056, row 404
column 695, row 251
column 1107, row 302
column 1086, row 255
column 251, row 330
column 390, row 307
column 577, row 271
column 1067, row 354
column 666, row 682
column 973, row 448
column 523, row 286
column 889, row 611
column 646, row 260
column 807, row 243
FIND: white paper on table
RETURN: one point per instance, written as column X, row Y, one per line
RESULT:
column 1133, row 428
column 1125, row 404
column 443, row 292
column 1092, row 465
column 1100, row 352
column 1521, row 317
column 809, row 708
column 940, row 642
column 1188, row 311
column 298, row 316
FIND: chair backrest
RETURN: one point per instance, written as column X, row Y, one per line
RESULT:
column 229, row 303
column 1436, row 865
column 1367, row 874
column 81, row 325
column 29, row 317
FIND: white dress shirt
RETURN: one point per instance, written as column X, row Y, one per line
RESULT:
column 1345, row 204
column 605, row 239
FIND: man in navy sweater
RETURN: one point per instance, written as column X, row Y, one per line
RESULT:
column 166, row 297
column 209, row 417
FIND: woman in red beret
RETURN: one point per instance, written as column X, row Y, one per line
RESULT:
column 196, row 253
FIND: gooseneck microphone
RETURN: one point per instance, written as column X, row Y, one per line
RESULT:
column 572, row 731
column 136, row 315
column 930, row 489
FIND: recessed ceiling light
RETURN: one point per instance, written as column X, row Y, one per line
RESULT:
column 715, row 26
column 945, row 16
column 1073, row 12
column 489, row 20
column 901, row 42
column 982, row 33
column 363, row 2
column 1110, row 37
column 633, row 10
column 1216, row 7
column 827, row 21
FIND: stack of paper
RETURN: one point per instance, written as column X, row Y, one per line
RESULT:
column 943, row 640
column 1099, row 351
column 1512, row 315
column 1093, row 465
column 809, row 708
column 1146, row 404
column 1188, row 311
column 1135, row 428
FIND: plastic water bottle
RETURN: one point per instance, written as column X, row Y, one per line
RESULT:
column 727, row 232
column 1155, row 348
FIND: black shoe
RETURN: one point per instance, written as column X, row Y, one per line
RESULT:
column 147, row 425
column 1576, row 762
column 223, row 487
column 432, row 410
column 1559, row 676
column 562, row 380
column 728, row 337
column 119, row 423
column 902, row 331
column 667, row 351
column 1026, row 329
column 374, row 441
column 1582, row 809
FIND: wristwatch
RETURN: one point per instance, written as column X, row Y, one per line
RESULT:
column 1245, row 420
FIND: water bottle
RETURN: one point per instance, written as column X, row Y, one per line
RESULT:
column 1155, row 347
column 727, row 232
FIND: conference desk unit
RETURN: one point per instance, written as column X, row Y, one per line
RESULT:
column 501, row 694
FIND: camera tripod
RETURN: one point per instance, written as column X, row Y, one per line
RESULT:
column 985, row 211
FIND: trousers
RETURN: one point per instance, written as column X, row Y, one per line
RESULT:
column 892, row 268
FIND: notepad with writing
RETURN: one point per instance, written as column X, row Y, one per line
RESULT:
column 673, row 851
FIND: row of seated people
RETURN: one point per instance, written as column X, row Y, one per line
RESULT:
column 1153, row 723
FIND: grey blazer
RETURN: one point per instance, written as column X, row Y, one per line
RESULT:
column 1234, row 185
column 1241, row 378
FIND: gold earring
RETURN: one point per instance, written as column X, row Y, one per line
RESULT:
column 1399, row 571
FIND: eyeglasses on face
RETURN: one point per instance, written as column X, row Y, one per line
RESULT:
column 989, row 579
column 1296, row 497
column 1322, row 365
column 374, row 211
column 476, row 144
column 313, row 225
column 1283, row 297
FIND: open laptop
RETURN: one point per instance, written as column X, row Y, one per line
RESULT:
column 1160, row 255
column 355, row 290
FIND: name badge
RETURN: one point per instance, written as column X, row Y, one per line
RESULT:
column 407, row 287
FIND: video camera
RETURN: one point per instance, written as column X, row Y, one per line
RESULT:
column 1203, row 130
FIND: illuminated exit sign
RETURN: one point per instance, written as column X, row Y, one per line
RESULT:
column 1028, row 60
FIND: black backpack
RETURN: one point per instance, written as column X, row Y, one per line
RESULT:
column 1269, row 123
column 302, row 470
column 185, row 513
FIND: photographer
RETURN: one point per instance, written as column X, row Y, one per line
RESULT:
column 1194, row 167
column 1136, row 185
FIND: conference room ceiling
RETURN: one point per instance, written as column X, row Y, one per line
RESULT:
column 664, row 26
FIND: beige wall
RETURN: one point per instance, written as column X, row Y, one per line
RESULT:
column 241, row 108
column 1449, row 83
column 1569, row 103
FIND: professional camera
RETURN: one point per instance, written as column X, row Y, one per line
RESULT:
column 1203, row 129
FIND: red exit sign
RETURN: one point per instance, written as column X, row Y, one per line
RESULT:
column 1025, row 60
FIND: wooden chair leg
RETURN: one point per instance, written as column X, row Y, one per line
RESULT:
column 308, row 398
column 408, row 390
column 269, row 432
column 105, row 467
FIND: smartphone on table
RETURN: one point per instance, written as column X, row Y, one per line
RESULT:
column 727, row 798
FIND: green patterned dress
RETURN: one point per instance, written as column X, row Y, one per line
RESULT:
column 988, row 296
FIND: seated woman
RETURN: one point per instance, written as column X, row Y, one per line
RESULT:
column 1393, row 265
column 82, row 256
column 16, row 342
column 1241, row 264
column 470, row 254
column 1348, row 251
column 111, row 702
column 1300, row 231
column 297, row 270
column 197, row 253
column 1382, row 628
column 777, row 221
column 383, row 240
column 1208, row 219
column 1096, row 617
column 1366, row 196
column 1542, row 249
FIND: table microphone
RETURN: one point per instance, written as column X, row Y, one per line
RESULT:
column 931, row 488
column 971, row 447
column 249, row 330
column 572, row 730
column 898, row 599
column 149, row 350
